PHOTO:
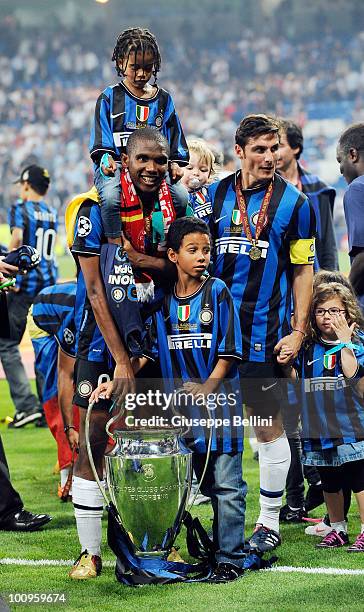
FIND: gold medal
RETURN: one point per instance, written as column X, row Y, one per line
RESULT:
column 255, row 253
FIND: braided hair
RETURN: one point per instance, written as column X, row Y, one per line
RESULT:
column 133, row 40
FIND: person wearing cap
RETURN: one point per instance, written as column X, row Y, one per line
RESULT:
column 33, row 222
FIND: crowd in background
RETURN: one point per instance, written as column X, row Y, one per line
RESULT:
column 50, row 79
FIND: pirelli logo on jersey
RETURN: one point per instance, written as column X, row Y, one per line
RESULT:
column 239, row 245
column 121, row 138
column 203, row 210
column 189, row 341
column 324, row 383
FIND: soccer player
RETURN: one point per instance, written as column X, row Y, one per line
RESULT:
column 129, row 105
column 263, row 233
column 321, row 196
column 143, row 185
column 350, row 156
column 196, row 337
column 32, row 222
column 53, row 334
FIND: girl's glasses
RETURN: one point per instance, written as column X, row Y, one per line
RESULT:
column 320, row 312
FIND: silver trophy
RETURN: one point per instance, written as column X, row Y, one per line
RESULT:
column 148, row 475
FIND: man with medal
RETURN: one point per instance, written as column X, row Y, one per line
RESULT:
column 263, row 230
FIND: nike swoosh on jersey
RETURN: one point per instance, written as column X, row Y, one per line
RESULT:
column 269, row 387
column 117, row 115
column 313, row 361
column 220, row 218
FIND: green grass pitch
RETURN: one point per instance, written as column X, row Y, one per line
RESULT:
column 31, row 454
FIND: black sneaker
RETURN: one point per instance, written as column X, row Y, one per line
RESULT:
column 314, row 497
column 264, row 539
column 225, row 572
column 287, row 515
column 24, row 418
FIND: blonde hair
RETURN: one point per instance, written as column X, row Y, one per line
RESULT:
column 203, row 152
column 324, row 292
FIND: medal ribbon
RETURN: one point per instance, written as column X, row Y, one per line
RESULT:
column 244, row 212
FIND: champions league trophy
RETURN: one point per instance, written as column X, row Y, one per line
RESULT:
column 148, row 476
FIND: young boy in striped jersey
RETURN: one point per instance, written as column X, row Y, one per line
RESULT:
column 132, row 104
column 196, row 337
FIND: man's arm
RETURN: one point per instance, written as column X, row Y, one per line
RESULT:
column 141, row 261
column 16, row 239
column 326, row 243
column 302, row 295
column 123, row 374
column 65, row 368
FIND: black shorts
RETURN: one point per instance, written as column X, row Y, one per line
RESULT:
column 261, row 388
column 89, row 375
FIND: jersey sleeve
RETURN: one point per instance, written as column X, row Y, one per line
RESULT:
column 229, row 338
column 354, row 214
column 172, row 130
column 16, row 216
column 101, row 138
column 301, row 234
column 88, row 232
column 66, row 334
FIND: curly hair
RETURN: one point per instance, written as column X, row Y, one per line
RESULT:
column 133, row 40
column 326, row 291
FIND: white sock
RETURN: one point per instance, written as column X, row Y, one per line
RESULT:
column 340, row 526
column 64, row 475
column 274, row 462
column 362, row 528
column 88, row 503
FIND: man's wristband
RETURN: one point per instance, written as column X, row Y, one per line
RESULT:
column 300, row 331
column 68, row 427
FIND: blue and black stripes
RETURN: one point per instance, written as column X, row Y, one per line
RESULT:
column 118, row 113
column 38, row 221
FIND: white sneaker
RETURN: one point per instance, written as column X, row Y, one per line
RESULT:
column 200, row 499
column 318, row 529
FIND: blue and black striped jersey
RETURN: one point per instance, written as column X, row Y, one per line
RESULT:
column 53, row 313
column 118, row 113
column 39, row 224
column 188, row 335
column 88, row 238
column 332, row 410
column 261, row 289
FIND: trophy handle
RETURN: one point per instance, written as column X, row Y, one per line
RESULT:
column 113, row 420
column 89, row 452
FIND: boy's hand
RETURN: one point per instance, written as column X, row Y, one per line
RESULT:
column 110, row 169
column 133, row 255
column 72, row 438
column 175, row 172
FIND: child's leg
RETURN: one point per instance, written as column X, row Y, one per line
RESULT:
column 109, row 196
column 332, row 478
column 227, row 489
column 354, row 476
